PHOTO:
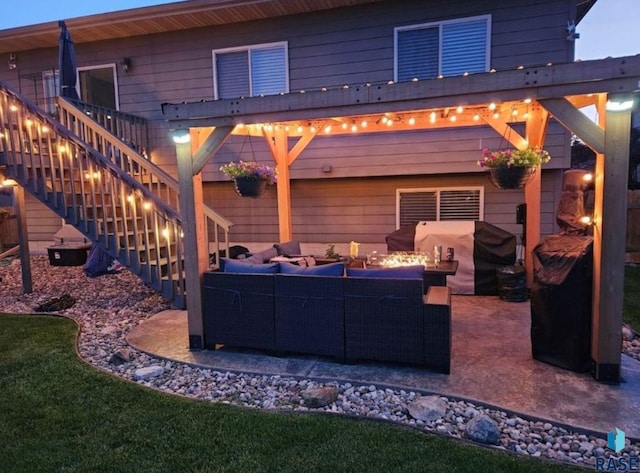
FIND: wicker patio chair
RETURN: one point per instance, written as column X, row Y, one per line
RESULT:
column 309, row 315
column 384, row 320
column 239, row 310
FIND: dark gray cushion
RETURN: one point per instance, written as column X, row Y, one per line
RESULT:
column 288, row 249
column 261, row 256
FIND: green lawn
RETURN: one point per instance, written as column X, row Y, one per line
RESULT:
column 632, row 296
column 59, row 414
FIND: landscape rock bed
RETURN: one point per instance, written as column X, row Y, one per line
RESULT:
column 107, row 307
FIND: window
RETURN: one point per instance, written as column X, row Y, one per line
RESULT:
column 459, row 203
column 445, row 48
column 99, row 85
column 251, row 71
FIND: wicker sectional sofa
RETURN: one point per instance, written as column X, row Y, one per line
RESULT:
column 349, row 318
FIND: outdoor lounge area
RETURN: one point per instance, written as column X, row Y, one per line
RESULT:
column 491, row 363
column 348, row 318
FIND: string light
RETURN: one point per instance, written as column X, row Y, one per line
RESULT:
column 460, row 109
column 412, row 121
column 344, row 125
column 327, row 129
column 354, row 128
column 363, row 124
column 492, row 106
column 476, row 117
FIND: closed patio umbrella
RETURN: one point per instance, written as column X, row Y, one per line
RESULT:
column 67, row 63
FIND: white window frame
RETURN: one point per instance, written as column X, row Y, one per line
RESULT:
column 113, row 67
column 438, row 190
column 439, row 24
column 249, row 48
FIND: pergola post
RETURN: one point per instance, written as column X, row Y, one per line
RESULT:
column 536, row 132
column 196, row 257
column 280, row 151
column 610, row 217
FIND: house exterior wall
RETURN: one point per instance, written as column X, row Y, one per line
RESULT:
column 326, row 49
column 362, row 209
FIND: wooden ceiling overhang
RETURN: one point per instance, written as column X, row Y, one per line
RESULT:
column 176, row 16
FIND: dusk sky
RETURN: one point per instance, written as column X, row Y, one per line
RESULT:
column 609, row 29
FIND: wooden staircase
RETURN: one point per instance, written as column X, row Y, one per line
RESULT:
column 103, row 187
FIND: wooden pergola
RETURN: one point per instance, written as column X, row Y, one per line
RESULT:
column 533, row 93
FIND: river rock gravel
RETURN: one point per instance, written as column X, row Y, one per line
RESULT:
column 107, row 307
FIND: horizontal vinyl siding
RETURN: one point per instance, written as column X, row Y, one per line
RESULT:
column 364, row 210
column 378, row 154
column 327, row 48
column 42, row 223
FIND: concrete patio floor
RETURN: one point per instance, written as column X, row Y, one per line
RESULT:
column 491, row 364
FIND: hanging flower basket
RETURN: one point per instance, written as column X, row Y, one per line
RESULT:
column 514, row 177
column 250, row 178
column 512, row 168
column 250, row 187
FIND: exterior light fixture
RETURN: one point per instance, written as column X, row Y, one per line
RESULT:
column 126, row 64
column 587, row 220
column 619, row 105
column 492, row 106
column 327, row 129
column 460, row 109
column 181, row 137
column 412, row 121
column 588, row 177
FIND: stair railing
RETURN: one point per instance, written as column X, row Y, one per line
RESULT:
column 158, row 181
column 90, row 192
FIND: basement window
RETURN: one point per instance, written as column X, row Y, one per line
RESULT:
column 438, row 204
column 251, row 71
column 446, row 48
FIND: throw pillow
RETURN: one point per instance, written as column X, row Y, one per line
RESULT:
column 333, row 269
column 240, row 266
column 261, row 256
column 404, row 272
column 288, row 249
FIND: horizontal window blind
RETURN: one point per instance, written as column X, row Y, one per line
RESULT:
column 446, row 48
column 460, row 205
column 431, row 205
column 233, row 75
column 418, row 207
column 268, row 71
column 464, row 47
column 418, row 54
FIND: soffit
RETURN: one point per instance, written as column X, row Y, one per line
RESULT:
column 160, row 19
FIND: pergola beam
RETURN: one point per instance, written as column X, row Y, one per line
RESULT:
column 576, row 122
column 211, row 145
column 599, row 76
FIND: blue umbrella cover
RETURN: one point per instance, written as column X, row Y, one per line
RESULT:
column 67, row 63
